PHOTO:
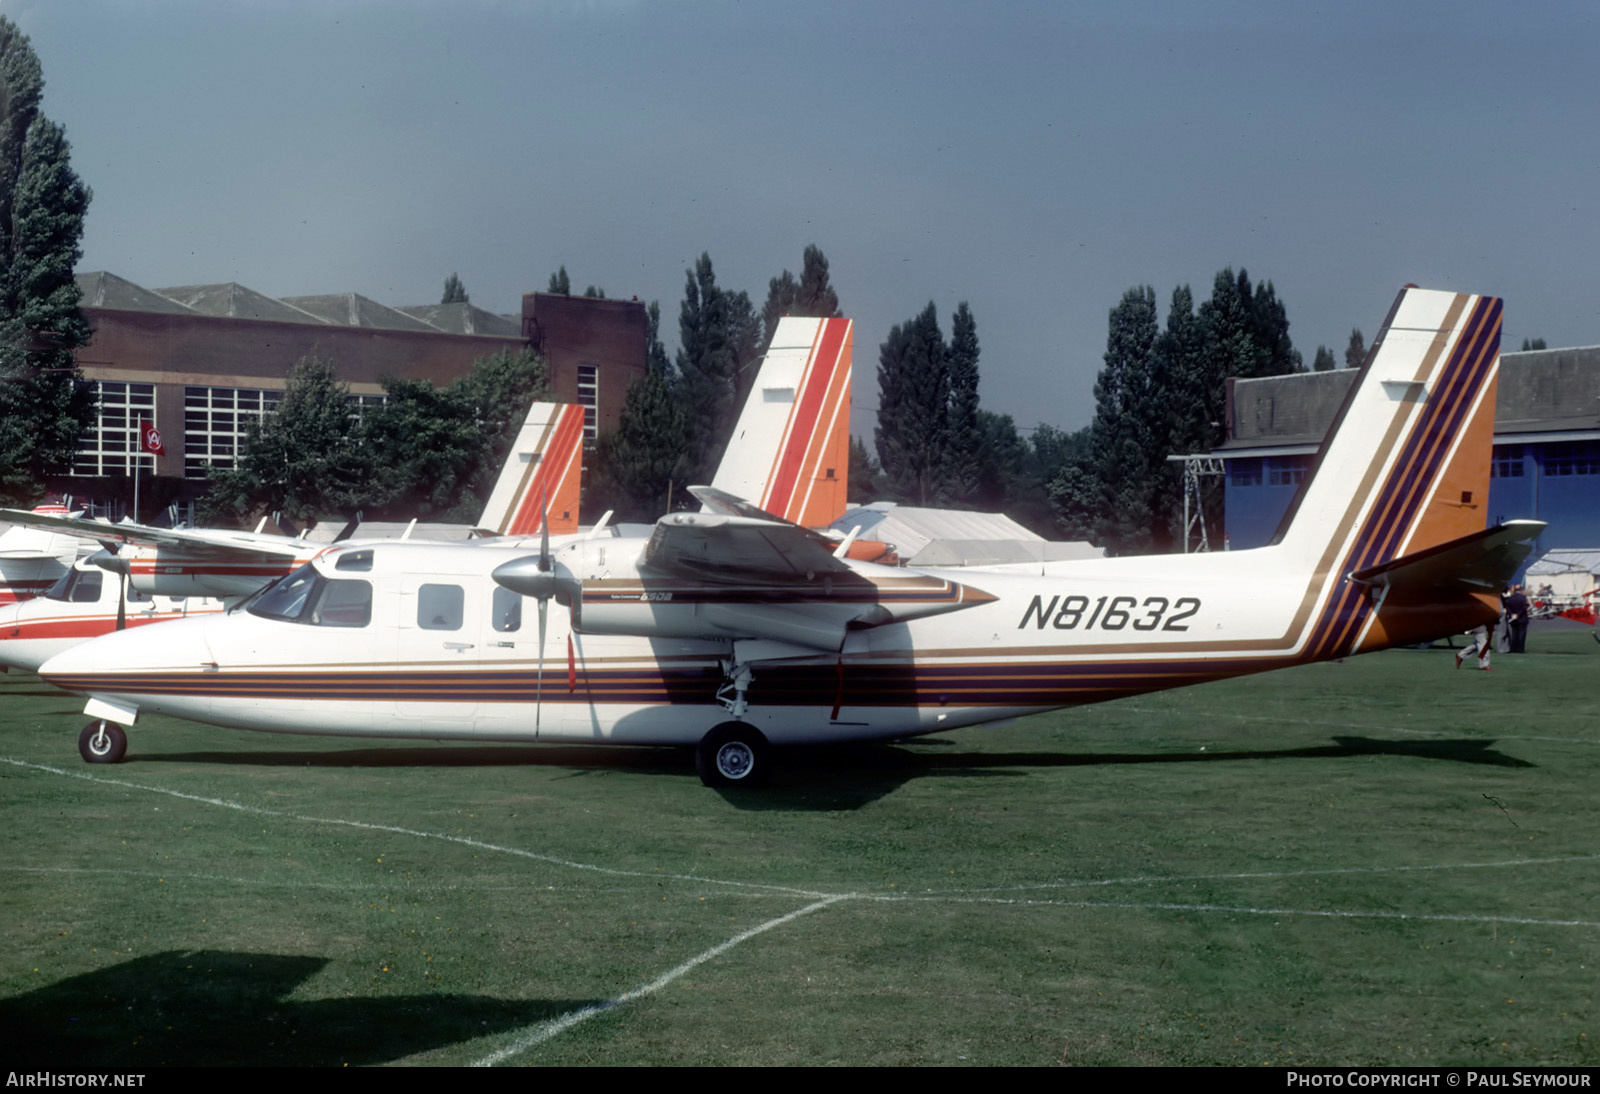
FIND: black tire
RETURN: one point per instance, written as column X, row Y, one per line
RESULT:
column 733, row 754
column 102, row 743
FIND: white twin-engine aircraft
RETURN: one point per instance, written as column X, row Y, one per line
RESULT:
column 733, row 631
column 159, row 575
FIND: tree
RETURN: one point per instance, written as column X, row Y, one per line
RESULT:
column 1532, row 344
column 717, row 339
column 812, row 295
column 914, row 409
column 304, row 460
column 454, row 291
column 560, row 282
column 1355, row 354
column 1324, row 361
column 594, row 292
column 964, row 474
column 44, row 407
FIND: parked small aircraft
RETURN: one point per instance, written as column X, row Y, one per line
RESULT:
column 733, row 631
column 84, row 603
column 32, row 558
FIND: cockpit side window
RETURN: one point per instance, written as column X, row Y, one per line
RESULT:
column 86, row 587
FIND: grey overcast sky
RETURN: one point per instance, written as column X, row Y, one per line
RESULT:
column 1034, row 159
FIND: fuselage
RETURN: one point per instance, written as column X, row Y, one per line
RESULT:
column 417, row 640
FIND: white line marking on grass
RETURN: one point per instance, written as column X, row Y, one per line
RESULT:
column 465, row 841
column 545, row 1030
column 1247, row 910
column 1247, row 875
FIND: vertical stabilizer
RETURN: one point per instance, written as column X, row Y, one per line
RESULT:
column 1405, row 466
column 790, row 451
column 544, row 469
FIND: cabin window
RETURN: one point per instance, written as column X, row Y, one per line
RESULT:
column 507, row 610
column 440, row 607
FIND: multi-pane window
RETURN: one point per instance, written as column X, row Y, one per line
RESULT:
column 1287, row 470
column 1507, row 462
column 589, row 399
column 1245, row 473
column 215, row 422
column 1572, row 458
column 113, row 447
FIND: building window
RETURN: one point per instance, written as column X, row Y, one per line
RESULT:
column 1572, row 458
column 216, row 421
column 1245, row 473
column 589, row 399
column 113, row 447
column 1507, row 462
column 360, row 404
column 1287, row 470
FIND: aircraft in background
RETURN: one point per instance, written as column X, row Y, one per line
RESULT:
column 733, row 631
column 32, row 558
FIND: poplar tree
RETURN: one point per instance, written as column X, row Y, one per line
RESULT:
column 44, row 407
column 964, row 474
column 913, row 409
column 454, row 291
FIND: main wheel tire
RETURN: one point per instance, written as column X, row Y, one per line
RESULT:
column 733, row 754
column 102, row 743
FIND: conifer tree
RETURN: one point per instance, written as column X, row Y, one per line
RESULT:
column 964, row 474
column 914, row 409
column 454, row 291
column 44, row 408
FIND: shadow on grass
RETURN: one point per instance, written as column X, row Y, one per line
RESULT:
column 848, row 777
column 837, row 777
column 216, row 1008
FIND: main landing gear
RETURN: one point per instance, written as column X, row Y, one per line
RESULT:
column 102, row 742
column 733, row 754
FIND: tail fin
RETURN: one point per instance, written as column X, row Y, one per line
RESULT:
column 790, row 452
column 1405, row 466
column 543, row 472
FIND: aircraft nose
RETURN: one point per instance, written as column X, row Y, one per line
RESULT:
column 179, row 644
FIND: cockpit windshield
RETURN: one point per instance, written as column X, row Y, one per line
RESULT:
column 305, row 596
column 78, row 586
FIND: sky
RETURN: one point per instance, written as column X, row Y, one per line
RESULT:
column 1036, row 160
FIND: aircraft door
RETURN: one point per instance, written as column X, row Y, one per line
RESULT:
column 441, row 647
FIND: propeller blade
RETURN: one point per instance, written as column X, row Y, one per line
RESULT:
column 538, row 687
column 122, row 602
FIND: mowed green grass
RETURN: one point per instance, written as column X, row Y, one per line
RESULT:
column 1379, row 862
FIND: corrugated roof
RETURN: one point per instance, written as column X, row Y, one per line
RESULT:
column 1539, row 391
column 464, row 319
column 107, row 290
column 231, row 300
column 348, row 309
column 1564, row 560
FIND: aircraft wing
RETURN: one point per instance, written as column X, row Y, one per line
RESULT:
column 193, row 542
column 723, row 547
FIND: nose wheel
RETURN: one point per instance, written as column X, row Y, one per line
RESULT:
column 102, row 742
column 733, row 754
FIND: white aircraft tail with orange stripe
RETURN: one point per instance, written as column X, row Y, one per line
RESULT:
column 1404, row 476
column 790, row 452
column 543, row 472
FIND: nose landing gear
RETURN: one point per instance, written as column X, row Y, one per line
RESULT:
column 102, row 742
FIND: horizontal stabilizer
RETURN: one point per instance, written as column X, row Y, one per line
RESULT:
column 1483, row 562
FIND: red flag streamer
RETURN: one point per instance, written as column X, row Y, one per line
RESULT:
column 572, row 666
column 838, row 687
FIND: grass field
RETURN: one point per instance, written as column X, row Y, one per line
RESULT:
column 1379, row 862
